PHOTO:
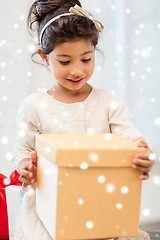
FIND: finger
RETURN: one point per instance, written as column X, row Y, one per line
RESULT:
column 145, row 176
column 26, row 180
column 144, row 156
column 143, row 163
column 142, row 169
column 28, row 165
column 25, row 173
column 23, row 163
column 34, row 157
column 34, row 171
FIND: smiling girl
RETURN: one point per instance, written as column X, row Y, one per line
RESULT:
column 68, row 37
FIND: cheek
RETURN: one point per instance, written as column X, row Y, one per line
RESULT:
column 58, row 71
column 90, row 68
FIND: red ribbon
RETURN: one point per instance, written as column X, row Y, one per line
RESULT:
column 13, row 180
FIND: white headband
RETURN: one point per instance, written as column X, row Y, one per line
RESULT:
column 74, row 10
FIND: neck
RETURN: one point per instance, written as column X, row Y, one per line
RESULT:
column 68, row 96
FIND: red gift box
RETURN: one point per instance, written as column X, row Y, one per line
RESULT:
column 5, row 182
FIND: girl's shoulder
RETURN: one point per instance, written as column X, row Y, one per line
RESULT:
column 34, row 98
column 32, row 101
column 107, row 95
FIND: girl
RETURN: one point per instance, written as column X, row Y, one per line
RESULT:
column 68, row 36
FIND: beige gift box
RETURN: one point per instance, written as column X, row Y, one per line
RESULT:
column 86, row 187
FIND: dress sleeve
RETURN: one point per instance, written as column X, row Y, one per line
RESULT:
column 120, row 121
column 28, row 126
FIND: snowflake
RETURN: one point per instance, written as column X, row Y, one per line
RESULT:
column 98, row 10
column 6, row 181
column 15, row 26
column 4, row 140
column 21, row 133
column 108, row 136
column 18, row 51
column 153, row 99
column 30, row 190
column 31, row 48
column 89, row 224
column 90, row 131
column 119, row 48
column 157, row 121
column 146, row 212
column 3, row 78
column 110, row 188
column 80, row 201
column 133, row 74
column 141, row 26
column 116, row 63
column 136, row 52
column 65, row 114
column 124, row 190
column 128, row 11
column 76, row 143
column 4, row 98
column 94, row 157
column 152, row 156
column 137, row 32
column 47, row 149
column 99, row 68
column 84, row 166
column 119, row 205
column 3, row 64
column 148, row 69
column 144, row 53
column 156, row 179
column 21, row 17
column 9, row 156
column 113, row 7
column 29, row 74
column 101, row 179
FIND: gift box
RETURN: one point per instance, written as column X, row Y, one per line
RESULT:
column 10, row 198
column 86, row 187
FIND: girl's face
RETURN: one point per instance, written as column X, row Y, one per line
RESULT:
column 72, row 63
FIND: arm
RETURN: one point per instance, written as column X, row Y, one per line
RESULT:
column 25, row 159
column 120, row 122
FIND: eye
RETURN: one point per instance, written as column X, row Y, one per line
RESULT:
column 64, row 62
column 86, row 60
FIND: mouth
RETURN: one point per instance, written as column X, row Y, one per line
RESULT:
column 75, row 81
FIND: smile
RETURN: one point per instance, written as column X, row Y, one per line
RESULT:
column 75, row 81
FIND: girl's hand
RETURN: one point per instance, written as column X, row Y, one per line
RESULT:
column 142, row 161
column 28, row 170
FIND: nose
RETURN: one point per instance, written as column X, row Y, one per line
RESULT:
column 76, row 70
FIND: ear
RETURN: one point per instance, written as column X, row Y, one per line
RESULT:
column 43, row 56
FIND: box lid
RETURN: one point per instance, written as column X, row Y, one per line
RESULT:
column 84, row 150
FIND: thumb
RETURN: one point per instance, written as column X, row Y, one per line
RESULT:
column 34, row 158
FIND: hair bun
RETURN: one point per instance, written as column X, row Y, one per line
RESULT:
column 46, row 6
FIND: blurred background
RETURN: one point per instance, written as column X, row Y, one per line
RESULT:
column 128, row 65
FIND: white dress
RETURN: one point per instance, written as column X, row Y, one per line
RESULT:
column 101, row 112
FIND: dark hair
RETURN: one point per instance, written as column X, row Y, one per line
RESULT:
column 72, row 27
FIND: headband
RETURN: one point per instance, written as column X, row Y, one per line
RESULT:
column 73, row 10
